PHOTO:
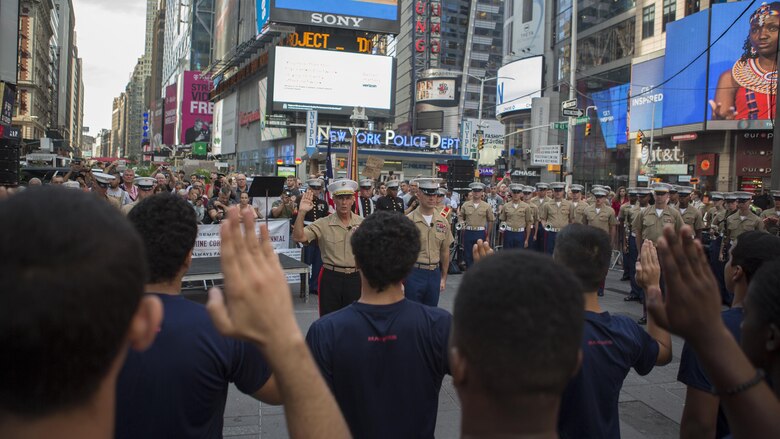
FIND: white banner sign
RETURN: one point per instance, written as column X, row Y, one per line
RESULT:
column 208, row 242
column 546, row 155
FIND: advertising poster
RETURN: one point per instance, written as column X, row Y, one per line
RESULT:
column 743, row 73
column 684, row 93
column 435, row 90
column 647, row 102
column 381, row 16
column 528, row 28
column 518, row 83
column 197, row 112
column 332, row 82
column 611, row 106
column 169, row 121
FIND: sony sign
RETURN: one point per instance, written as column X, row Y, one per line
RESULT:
column 335, row 20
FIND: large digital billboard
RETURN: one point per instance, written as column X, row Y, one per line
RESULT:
column 381, row 16
column 169, row 115
column 330, row 82
column 611, row 106
column 685, row 91
column 743, row 72
column 647, row 99
column 438, row 89
column 518, row 83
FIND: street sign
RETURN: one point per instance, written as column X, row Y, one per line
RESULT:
column 560, row 126
column 581, row 120
column 684, row 137
column 572, row 103
column 572, row 112
column 544, row 155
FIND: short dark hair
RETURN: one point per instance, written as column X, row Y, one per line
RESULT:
column 67, row 300
column 586, row 251
column 763, row 291
column 752, row 250
column 518, row 320
column 385, row 246
column 168, row 227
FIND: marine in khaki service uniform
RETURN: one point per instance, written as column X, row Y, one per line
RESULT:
column 626, row 216
column 744, row 220
column 145, row 187
column 771, row 217
column 477, row 219
column 311, row 252
column 555, row 215
column 650, row 223
column 444, row 210
column 100, row 188
column 600, row 215
column 429, row 275
column 339, row 278
column 538, row 201
column 719, row 242
column 578, row 205
column 533, row 234
column 690, row 215
column 516, row 219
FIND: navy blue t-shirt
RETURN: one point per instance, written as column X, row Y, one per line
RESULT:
column 611, row 345
column 178, row 387
column 692, row 374
column 384, row 364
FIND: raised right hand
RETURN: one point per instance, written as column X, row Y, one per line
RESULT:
column 307, row 203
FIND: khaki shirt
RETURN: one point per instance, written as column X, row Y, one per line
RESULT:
column 578, row 211
column 692, row 217
column 445, row 212
column 604, row 219
column 738, row 224
column 128, row 207
column 333, row 239
column 771, row 227
column 517, row 216
column 556, row 216
column 719, row 221
column 708, row 212
column 627, row 214
column 476, row 216
column 433, row 240
column 651, row 226
column 534, row 213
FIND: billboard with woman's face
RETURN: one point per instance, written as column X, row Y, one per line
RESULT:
column 743, row 66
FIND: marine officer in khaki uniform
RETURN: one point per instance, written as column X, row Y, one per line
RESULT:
column 339, row 278
column 145, row 187
column 538, row 201
column 555, row 215
column 600, row 215
column 477, row 219
column 429, row 275
column 690, row 215
column 626, row 216
column 311, row 252
column 771, row 217
column 744, row 220
column 533, row 234
column 650, row 223
column 578, row 205
column 516, row 219
column 100, row 188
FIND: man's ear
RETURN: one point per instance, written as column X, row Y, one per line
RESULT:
column 773, row 338
column 738, row 274
column 458, row 368
column 145, row 323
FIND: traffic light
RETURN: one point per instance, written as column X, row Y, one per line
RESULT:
column 587, row 129
column 638, row 137
column 481, row 144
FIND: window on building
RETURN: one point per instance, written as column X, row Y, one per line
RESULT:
column 692, row 7
column 528, row 10
column 648, row 21
column 670, row 12
column 510, row 9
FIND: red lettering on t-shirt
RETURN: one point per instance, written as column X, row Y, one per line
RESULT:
column 383, row 339
column 600, row 343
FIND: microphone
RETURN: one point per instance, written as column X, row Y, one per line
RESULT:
column 431, row 224
column 349, row 227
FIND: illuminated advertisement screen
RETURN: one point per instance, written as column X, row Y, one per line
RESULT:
column 518, row 83
column 611, row 110
column 743, row 74
column 381, row 16
column 685, row 91
column 647, row 99
column 435, row 90
column 331, row 82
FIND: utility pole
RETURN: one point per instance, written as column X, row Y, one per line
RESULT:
column 572, row 91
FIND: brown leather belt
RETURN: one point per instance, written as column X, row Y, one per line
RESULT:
column 429, row 267
column 345, row 270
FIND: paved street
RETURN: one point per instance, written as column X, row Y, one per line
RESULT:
column 650, row 406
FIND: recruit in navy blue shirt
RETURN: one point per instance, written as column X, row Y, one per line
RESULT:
column 178, row 387
column 385, row 365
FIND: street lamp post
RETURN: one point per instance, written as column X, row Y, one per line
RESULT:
column 482, row 81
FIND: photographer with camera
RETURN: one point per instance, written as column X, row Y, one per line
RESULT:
column 285, row 207
column 218, row 206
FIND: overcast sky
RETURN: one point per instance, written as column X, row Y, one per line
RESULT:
column 110, row 38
